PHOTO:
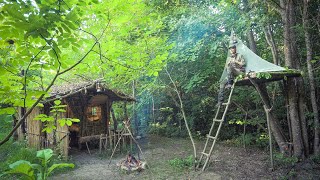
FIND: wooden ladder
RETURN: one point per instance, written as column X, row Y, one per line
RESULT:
column 213, row 134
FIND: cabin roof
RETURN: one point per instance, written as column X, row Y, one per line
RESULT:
column 96, row 87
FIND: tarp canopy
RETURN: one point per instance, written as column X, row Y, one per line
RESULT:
column 254, row 63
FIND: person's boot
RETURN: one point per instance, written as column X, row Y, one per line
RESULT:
column 229, row 84
column 220, row 98
column 219, row 103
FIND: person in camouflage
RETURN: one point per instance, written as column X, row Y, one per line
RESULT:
column 235, row 66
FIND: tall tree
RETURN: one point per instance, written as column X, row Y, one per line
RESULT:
column 263, row 92
column 286, row 9
column 119, row 40
column 313, row 97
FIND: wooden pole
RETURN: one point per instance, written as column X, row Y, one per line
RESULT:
column 244, row 132
column 270, row 137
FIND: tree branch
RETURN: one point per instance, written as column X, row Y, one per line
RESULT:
column 276, row 5
column 183, row 114
column 77, row 63
column 22, row 119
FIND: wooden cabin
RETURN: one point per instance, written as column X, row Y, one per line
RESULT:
column 88, row 101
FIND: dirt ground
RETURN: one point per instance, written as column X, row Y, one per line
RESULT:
column 226, row 163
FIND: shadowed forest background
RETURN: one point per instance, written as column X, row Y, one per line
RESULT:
column 168, row 55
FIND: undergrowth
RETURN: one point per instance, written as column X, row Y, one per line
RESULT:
column 12, row 151
column 182, row 163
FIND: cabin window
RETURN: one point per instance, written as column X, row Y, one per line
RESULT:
column 94, row 113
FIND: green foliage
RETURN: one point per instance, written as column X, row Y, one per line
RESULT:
column 166, row 130
column 264, row 75
column 283, row 160
column 50, row 121
column 182, row 163
column 13, row 152
column 315, row 158
column 39, row 171
column 32, row 39
column 157, row 128
column 249, row 140
column 6, row 122
column 117, row 40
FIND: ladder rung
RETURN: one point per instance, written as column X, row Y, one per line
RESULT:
column 226, row 104
column 205, row 153
column 218, row 120
column 211, row 137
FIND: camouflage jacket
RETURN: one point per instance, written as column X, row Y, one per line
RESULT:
column 236, row 60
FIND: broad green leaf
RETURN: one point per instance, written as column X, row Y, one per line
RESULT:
column 61, row 165
column 62, row 122
column 75, row 120
column 57, row 102
column 45, row 154
column 69, row 123
column 8, row 110
column 22, row 167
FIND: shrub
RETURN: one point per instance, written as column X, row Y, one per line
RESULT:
column 283, row 160
column 315, row 158
column 181, row 163
column 36, row 171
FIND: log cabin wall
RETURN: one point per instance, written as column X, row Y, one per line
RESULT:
column 34, row 136
column 62, row 137
column 108, row 115
column 93, row 122
column 91, row 106
column 93, row 112
column 76, row 106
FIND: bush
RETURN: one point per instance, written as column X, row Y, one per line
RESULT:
column 283, row 160
column 12, row 152
column 181, row 163
column 250, row 139
column 40, row 171
column 167, row 130
column 315, row 158
column 6, row 123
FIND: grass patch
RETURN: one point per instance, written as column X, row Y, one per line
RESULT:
column 283, row 160
column 182, row 163
column 315, row 158
column 11, row 152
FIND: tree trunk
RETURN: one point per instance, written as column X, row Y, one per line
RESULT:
column 252, row 43
column 274, row 50
column 15, row 134
column 294, row 84
column 115, row 122
column 262, row 90
column 153, row 109
column 125, row 111
column 134, row 114
column 274, row 123
column 307, row 37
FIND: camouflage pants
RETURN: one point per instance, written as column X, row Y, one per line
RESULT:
column 232, row 72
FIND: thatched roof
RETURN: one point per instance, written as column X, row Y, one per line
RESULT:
column 68, row 89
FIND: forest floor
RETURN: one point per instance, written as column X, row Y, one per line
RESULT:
column 227, row 162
